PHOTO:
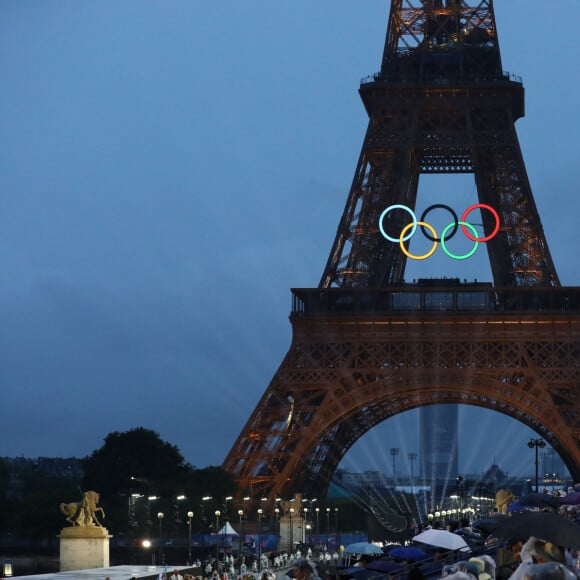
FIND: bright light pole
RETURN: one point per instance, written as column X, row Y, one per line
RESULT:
column 535, row 444
column 160, row 517
column 202, row 517
column 217, row 514
column 189, row 518
column 178, row 499
column 240, row 537
column 226, row 511
column 317, row 510
column 260, row 512
column 146, row 545
column 328, row 520
column 291, row 512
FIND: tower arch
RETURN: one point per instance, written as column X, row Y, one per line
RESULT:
column 367, row 345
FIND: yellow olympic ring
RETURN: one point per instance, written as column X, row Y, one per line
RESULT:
column 402, row 243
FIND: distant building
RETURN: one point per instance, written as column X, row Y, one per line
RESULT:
column 365, row 479
column 62, row 467
column 439, row 442
column 494, row 477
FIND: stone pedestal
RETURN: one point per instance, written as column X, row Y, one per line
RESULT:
column 84, row 547
column 292, row 530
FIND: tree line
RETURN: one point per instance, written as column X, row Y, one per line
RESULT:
column 131, row 464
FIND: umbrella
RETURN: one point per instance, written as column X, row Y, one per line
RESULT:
column 489, row 525
column 515, row 507
column 441, row 539
column 409, row 553
column 549, row 571
column 546, row 526
column 354, row 572
column 540, row 500
column 363, row 548
column 384, row 566
column 571, row 499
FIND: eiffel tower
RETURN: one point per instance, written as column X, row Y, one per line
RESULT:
column 367, row 345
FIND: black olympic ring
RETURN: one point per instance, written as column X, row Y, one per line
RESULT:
column 439, row 206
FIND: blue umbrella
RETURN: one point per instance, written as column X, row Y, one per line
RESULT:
column 363, row 548
column 354, row 572
column 515, row 506
column 409, row 553
column 384, row 566
column 571, row 499
column 540, row 500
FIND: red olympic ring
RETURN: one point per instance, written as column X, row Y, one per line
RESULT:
column 482, row 206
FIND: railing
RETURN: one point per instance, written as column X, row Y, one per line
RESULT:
column 432, row 567
column 456, row 81
column 462, row 298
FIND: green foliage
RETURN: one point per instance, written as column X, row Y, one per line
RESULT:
column 212, row 481
column 4, row 484
column 4, row 479
column 125, row 471
column 133, row 465
column 36, row 514
column 136, row 460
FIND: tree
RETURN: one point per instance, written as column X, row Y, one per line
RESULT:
column 210, row 481
column 4, row 478
column 135, row 464
column 34, row 512
column 135, row 460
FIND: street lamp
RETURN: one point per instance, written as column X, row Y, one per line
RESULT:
column 225, row 506
column 328, row 520
column 336, row 520
column 189, row 518
column 291, row 512
column 217, row 514
column 277, row 524
column 146, row 544
column 535, row 444
column 240, row 536
column 317, row 510
column 160, row 517
column 177, row 510
column 260, row 512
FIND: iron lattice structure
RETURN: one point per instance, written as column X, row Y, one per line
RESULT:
column 366, row 346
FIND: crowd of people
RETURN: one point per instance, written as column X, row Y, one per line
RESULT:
column 490, row 555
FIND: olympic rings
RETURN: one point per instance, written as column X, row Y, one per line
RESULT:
column 454, row 256
column 483, row 206
column 433, row 247
column 406, row 235
column 441, row 206
column 408, row 209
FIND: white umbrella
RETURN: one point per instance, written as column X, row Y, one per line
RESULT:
column 442, row 539
column 363, row 548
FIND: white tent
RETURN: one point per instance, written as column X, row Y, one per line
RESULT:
column 228, row 530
